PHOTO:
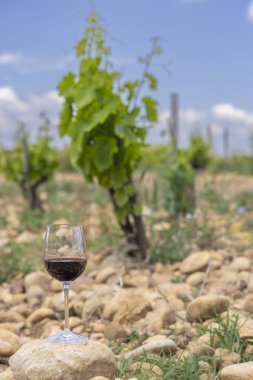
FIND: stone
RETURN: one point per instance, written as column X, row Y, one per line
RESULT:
column 240, row 264
column 12, row 299
column 206, row 306
column 195, row 262
column 195, row 279
column 103, row 253
column 153, row 338
column 56, row 286
column 100, row 378
column 136, row 281
column 92, row 307
column 17, row 286
column 12, row 327
column 180, row 328
column 41, row 360
column 104, row 274
column 248, row 303
column 198, row 349
column 166, row 346
column 10, row 317
column 9, row 343
column 183, row 292
column 209, row 338
column 159, row 278
column 45, row 331
column 5, row 349
column 22, row 309
column 224, row 357
column 149, row 368
column 35, row 295
column 39, row 315
column 114, row 330
column 161, row 318
column 246, row 328
column 250, row 284
column 73, row 322
column 242, row 371
column 126, row 307
column 56, row 301
column 38, row 278
column 249, row 349
column 6, row 375
column 26, row 237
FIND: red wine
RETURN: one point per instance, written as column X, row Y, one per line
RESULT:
column 65, row 269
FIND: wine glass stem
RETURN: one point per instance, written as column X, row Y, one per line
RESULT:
column 66, row 302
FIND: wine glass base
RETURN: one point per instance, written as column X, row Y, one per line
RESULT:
column 67, row 338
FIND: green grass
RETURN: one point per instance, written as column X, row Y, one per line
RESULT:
column 226, row 333
column 176, row 242
column 155, row 158
column 17, row 258
column 131, row 340
column 174, row 368
column 244, row 200
column 213, row 199
column 241, row 164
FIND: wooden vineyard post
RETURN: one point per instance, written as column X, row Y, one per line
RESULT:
column 209, row 132
column 173, row 122
column 226, row 142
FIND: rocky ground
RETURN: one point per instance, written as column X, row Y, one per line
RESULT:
column 187, row 320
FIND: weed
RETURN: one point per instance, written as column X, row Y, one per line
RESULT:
column 176, row 368
column 226, row 332
column 213, row 199
column 244, row 201
column 132, row 340
column 19, row 258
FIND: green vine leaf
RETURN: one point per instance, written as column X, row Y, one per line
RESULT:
column 84, row 96
column 121, row 197
column 137, row 209
column 152, row 81
column 118, row 177
column 66, row 116
column 150, row 106
column 67, row 86
column 104, row 150
column 101, row 114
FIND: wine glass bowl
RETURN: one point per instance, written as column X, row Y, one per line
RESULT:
column 65, row 260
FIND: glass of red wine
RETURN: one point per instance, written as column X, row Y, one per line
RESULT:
column 65, row 259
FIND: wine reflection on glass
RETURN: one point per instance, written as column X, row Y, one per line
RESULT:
column 65, row 260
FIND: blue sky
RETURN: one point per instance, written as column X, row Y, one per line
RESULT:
column 207, row 50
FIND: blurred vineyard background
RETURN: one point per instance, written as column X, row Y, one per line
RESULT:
column 108, row 178
column 221, row 203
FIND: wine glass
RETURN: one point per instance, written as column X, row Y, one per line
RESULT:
column 65, row 259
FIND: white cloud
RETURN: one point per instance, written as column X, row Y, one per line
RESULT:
column 220, row 116
column 188, row 115
column 192, row 116
column 26, row 65
column 8, row 58
column 250, row 11
column 9, row 100
column 33, row 65
column 229, row 113
column 13, row 110
column 189, row 120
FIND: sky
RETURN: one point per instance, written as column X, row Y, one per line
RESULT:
column 207, row 59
